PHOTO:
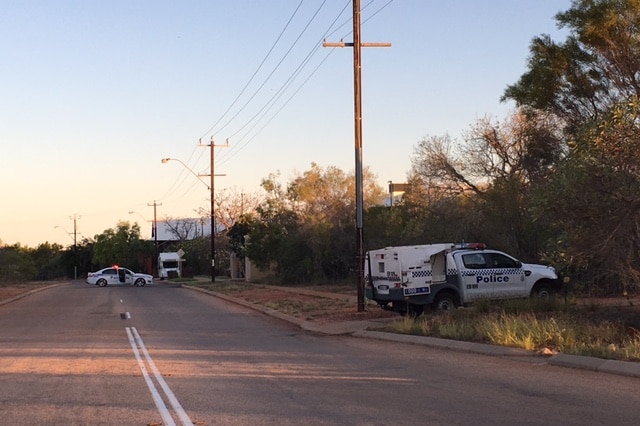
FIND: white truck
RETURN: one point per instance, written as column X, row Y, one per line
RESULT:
column 170, row 265
column 410, row 279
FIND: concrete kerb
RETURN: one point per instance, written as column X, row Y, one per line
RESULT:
column 622, row 368
column 363, row 329
column 435, row 342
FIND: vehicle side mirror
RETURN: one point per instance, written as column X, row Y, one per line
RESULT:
column 518, row 264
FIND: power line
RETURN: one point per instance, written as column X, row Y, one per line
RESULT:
column 280, row 92
column 253, row 123
column 272, row 101
column 182, row 176
column 280, row 62
column 256, row 71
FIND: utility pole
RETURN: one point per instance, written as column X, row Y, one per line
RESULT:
column 357, row 91
column 212, row 146
column 75, row 218
column 154, row 230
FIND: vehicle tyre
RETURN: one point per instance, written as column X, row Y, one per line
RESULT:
column 445, row 302
column 542, row 291
column 140, row 282
column 414, row 311
column 102, row 282
column 399, row 307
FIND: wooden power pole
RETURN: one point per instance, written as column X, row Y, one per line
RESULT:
column 212, row 175
column 357, row 86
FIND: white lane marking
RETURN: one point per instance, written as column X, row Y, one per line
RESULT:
column 182, row 415
column 157, row 399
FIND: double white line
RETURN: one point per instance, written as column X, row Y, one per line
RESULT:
column 138, row 346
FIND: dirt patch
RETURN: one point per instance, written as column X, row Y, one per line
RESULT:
column 8, row 291
column 322, row 305
column 312, row 307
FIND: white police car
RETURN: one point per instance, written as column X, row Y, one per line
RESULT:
column 116, row 275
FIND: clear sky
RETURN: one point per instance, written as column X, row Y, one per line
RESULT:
column 95, row 93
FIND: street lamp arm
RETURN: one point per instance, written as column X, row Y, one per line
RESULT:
column 213, row 217
column 166, row 160
column 140, row 214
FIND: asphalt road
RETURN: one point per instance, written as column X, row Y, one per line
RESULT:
column 80, row 355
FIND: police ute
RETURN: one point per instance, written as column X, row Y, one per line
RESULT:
column 410, row 279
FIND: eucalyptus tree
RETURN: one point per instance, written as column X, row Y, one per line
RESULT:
column 591, row 83
column 305, row 228
column 595, row 68
column 479, row 187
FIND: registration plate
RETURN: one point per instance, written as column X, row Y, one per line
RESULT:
column 416, row 290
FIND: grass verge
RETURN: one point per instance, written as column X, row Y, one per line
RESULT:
column 603, row 332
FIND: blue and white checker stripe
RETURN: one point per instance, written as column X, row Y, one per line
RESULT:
column 485, row 272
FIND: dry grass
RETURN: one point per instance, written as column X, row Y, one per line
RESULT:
column 604, row 332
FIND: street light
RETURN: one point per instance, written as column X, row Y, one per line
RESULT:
column 210, row 188
column 166, row 160
column 139, row 214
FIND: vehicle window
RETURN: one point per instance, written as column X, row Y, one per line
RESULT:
column 381, row 267
column 109, row 272
column 128, row 272
column 474, row 261
column 497, row 260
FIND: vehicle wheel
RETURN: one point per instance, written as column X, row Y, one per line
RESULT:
column 542, row 291
column 139, row 282
column 414, row 311
column 399, row 307
column 102, row 282
column 445, row 302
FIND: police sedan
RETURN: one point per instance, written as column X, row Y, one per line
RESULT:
column 116, row 275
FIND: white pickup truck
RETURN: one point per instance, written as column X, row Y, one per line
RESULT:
column 409, row 279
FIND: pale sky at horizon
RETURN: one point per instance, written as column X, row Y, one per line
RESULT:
column 96, row 93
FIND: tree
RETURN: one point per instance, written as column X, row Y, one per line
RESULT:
column 594, row 69
column 16, row 265
column 47, row 259
column 230, row 205
column 306, row 229
column 478, row 189
column 182, row 229
column 594, row 202
column 122, row 245
column 79, row 259
column 591, row 82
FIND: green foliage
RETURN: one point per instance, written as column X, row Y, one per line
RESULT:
column 237, row 233
column 595, row 68
column 16, row 265
column 593, row 201
column 47, row 259
column 123, row 246
column 197, row 256
column 305, row 231
column 20, row 264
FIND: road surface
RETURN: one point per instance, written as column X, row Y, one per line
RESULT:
column 158, row 355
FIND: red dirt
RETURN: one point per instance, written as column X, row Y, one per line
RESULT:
column 312, row 307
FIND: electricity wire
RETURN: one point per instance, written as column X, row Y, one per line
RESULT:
column 275, row 43
column 255, row 120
